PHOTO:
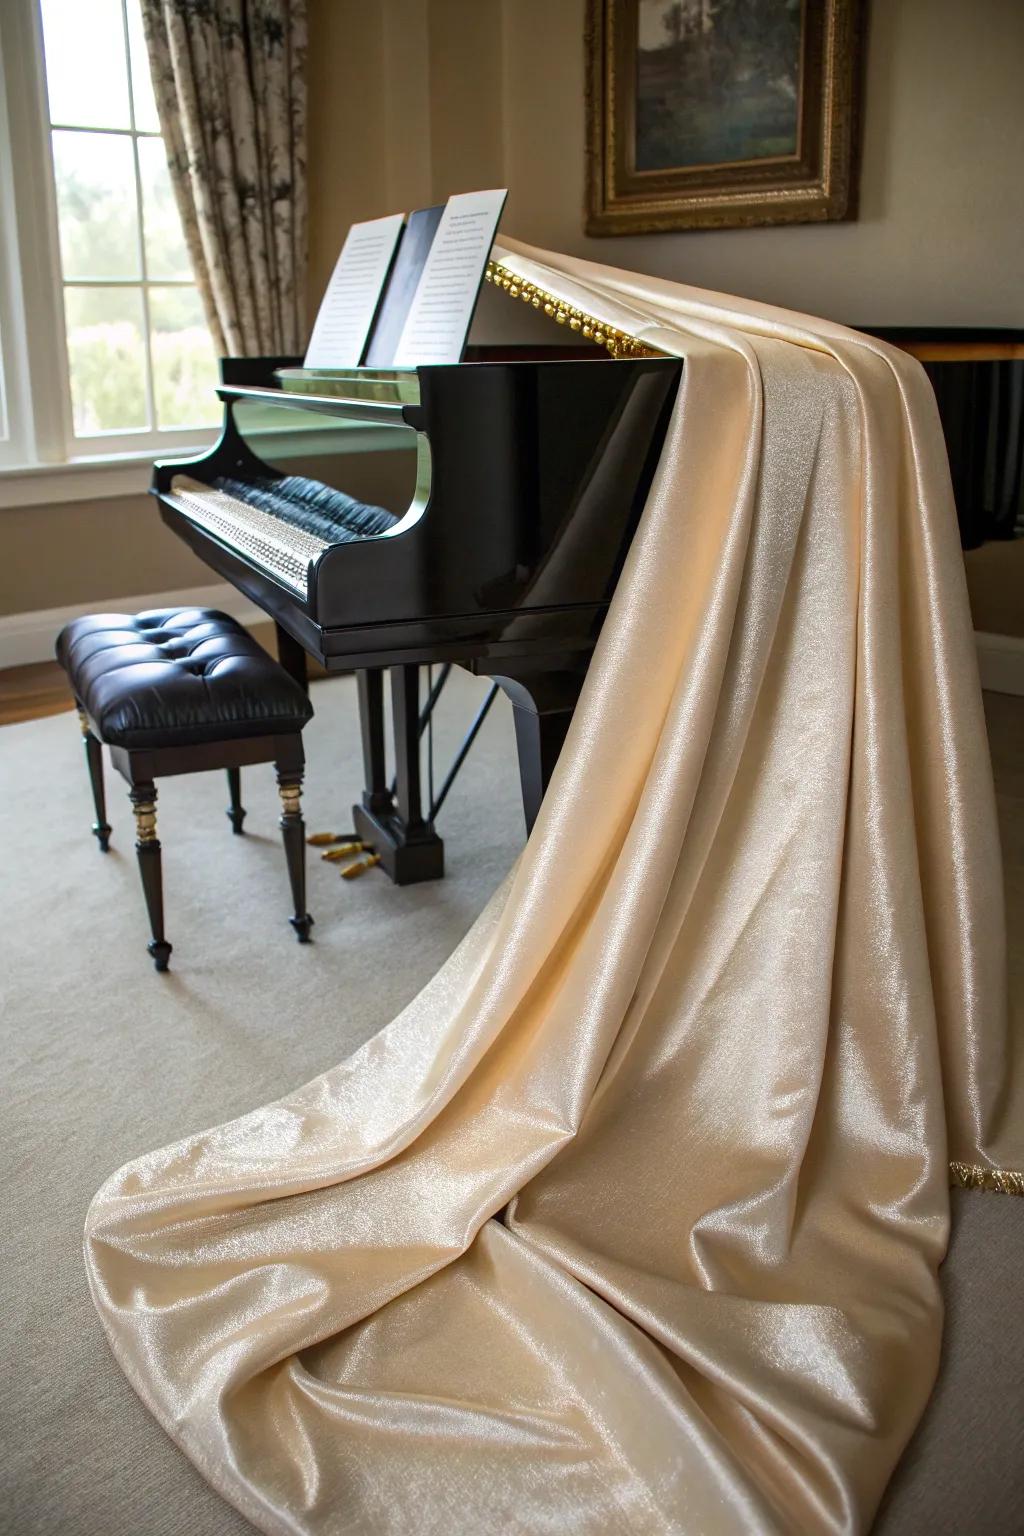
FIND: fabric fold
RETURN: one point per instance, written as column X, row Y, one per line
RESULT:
column 632, row 1220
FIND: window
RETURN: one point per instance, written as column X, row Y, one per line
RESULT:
column 115, row 346
column 13, row 383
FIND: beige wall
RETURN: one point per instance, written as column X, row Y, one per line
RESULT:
column 406, row 106
column 63, row 553
column 941, row 226
column 413, row 99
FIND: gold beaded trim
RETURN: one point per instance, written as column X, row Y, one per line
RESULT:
column 614, row 341
column 1002, row 1181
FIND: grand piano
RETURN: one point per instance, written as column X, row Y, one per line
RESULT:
column 476, row 513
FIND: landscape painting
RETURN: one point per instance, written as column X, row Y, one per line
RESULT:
column 717, row 81
column 721, row 112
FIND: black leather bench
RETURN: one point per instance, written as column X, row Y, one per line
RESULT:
column 182, row 690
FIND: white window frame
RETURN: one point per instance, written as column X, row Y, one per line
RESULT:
column 34, row 372
column 16, row 444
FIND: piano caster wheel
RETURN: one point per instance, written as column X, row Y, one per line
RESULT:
column 302, row 925
column 101, row 832
column 161, row 953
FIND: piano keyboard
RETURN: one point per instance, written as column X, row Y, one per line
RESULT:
column 281, row 529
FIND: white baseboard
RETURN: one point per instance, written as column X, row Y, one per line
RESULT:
column 28, row 637
column 1001, row 662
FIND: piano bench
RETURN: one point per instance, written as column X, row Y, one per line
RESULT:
column 184, row 690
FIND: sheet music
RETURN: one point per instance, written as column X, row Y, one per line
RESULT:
column 438, row 322
column 353, row 293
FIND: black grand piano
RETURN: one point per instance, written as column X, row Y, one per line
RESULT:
column 476, row 513
column 479, row 514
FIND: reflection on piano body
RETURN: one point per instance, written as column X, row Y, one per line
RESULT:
column 476, row 513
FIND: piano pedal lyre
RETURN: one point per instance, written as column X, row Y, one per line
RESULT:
column 360, row 866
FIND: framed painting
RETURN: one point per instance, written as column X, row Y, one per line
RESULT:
column 717, row 113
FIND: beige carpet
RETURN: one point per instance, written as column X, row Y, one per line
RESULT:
column 103, row 1059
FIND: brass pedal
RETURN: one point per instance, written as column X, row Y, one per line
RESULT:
column 344, row 851
column 360, row 867
column 325, row 839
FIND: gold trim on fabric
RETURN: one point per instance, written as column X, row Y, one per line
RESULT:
column 563, row 313
column 1002, row 1181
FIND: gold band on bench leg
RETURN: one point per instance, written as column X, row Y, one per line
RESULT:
column 291, row 799
column 145, row 820
column 1001, row 1181
column 83, row 720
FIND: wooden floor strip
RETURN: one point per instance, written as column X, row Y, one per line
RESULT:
column 29, row 693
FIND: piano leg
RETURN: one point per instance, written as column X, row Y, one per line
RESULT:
column 393, row 826
column 542, row 710
column 292, row 657
column 376, row 795
column 405, row 708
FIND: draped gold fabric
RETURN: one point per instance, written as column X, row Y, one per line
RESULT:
column 631, row 1221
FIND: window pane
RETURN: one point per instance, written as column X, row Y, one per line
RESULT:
column 184, row 366
column 86, row 73
column 107, row 359
column 96, row 204
column 146, row 120
column 166, row 255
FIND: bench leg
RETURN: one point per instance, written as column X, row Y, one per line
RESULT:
column 236, row 810
column 293, row 832
column 147, row 848
column 94, row 761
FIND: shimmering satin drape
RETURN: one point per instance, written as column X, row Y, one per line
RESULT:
column 631, row 1221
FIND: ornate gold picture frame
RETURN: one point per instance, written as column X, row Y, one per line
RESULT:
column 719, row 113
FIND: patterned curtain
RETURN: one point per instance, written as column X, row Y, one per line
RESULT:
column 229, row 78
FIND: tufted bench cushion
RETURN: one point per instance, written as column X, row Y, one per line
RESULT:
column 177, row 676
